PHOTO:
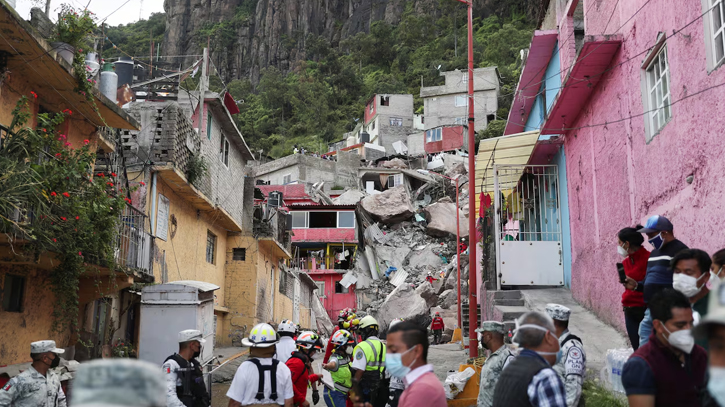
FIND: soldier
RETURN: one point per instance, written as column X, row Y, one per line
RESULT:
column 492, row 338
column 184, row 380
column 118, row 382
column 38, row 386
column 573, row 363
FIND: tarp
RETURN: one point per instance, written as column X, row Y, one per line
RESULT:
column 230, row 104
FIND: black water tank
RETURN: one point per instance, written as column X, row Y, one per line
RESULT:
column 364, row 136
column 124, row 70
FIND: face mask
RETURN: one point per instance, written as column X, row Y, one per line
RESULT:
column 394, row 364
column 717, row 275
column 686, row 284
column 55, row 363
column 541, row 328
column 681, row 340
column 716, row 385
column 348, row 351
column 657, row 241
column 621, row 251
column 197, row 353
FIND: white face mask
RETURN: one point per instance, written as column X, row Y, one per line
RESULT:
column 718, row 274
column 621, row 251
column 682, row 340
column 716, row 384
column 686, row 284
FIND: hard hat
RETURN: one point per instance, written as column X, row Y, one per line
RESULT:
column 345, row 314
column 393, row 322
column 438, row 313
column 190, row 335
column 287, row 326
column 368, row 321
column 261, row 336
column 342, row 338
column 309, row 340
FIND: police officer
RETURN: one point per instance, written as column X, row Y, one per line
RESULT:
column 184, row 378
column 492, row 338
column 38, row 386
column 118, row 382
column 369, row 380
column 573, row 363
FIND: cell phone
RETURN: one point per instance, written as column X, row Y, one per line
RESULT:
column 620, row 270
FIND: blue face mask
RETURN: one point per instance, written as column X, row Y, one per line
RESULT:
column 716, row 384
column 394, row 364
column 657, row 241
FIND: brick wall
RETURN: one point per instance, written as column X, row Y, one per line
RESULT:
column 240, row 293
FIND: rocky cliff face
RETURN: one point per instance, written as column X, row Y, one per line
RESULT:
column 274, row 32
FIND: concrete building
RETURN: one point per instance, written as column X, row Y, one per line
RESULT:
column 448, row 104
column 630, row 121
column 298, row 168
column 387, row 119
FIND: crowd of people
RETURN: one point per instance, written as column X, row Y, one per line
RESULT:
column 301, row 150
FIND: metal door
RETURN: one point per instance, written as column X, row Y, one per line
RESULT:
column 528, row 225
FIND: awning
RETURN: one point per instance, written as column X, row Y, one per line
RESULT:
column 540, row 52
column 590, row 67
column 509, row 150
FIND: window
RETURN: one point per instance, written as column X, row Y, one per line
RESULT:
column 322, row 220
column 384, row 100
column 658, row 92
column 434, row 135
column 396, row 121
column 346, row 220
column 210, row 247
column 490, row 118
column 320, row 288
column 13, row 293
column 239, row 254
column 422, row 119
column 460, row 121
column 300, row 220
column 464, row 77
column 395, row 180
column 714, row 32
column 373, row 124
column 224, row 151
column 209, row 124
column 287, row 179
column 462, row 101
column 340, row 289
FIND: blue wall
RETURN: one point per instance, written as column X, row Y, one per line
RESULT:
column 560, row 161
column 549, row 88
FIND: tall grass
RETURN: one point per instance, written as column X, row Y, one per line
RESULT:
column 596, row 395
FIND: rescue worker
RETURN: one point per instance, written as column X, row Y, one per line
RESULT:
column 184, row 379
column 573, row 363
column 369, row 381
column 300, row 366
column 437, row 326
column 38, row 386
column 118, row 382
column 492, row 338
column 397, row 386
column 345, row 320
column 287, row 331
column 430, row 279
column 261, row 380
column 339, row 368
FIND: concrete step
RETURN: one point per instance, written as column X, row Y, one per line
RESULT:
column 507, row 295
column 511, row 312
column 510, row 303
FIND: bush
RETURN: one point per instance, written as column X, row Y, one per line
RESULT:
column 596, row 395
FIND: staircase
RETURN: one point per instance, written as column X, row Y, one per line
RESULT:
column 510, row 305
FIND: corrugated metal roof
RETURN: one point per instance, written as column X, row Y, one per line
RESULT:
column 399, row 277
column 373, row 232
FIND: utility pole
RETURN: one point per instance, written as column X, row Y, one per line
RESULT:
column 203, row 84
column 472, row 264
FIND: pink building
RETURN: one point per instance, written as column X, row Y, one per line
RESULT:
column 632, row 92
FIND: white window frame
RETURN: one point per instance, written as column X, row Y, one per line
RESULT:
column 345, row 227
column 397, row 180
column 211, row 243
column 306, row 217
column 286, row 179
column 224, row 148
column 461, row 101
column 656, row 100
column 396, row 121
column 433, row 135
column 460, row 121
column 714, row 9
column 320, row 289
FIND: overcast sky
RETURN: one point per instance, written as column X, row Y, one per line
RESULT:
column 128, row 13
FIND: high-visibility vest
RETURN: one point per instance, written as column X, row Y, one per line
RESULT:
column 342, row 376
column 374, row 351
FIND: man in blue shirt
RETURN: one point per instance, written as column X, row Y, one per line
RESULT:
column 659, row 231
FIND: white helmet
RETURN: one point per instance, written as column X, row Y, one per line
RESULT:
column 342, row 338
column 287, row 326
column 261, row 336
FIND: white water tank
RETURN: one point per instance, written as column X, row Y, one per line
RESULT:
column 109, row 82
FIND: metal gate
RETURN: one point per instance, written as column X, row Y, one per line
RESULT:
column 528, row 225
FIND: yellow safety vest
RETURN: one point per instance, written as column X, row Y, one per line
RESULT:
column 374, row 351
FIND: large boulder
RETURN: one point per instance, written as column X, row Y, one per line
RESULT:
column 389, row 207
column 404, row 302
column 395, row 163
column 427, row 292
column 424, row 258
column 393, row 255
column 441, row 218
column 450, row 316
column 448, row 299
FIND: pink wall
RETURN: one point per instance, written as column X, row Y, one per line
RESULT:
column 368, row 114
column 453, row 137
column 325, row 235
column 332, row 302
column 615, row 178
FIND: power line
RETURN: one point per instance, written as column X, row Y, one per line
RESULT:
column 120, row 7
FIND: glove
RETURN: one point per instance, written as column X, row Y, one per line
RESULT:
column 315, row 396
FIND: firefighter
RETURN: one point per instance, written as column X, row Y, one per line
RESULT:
column 300, row 365
column 339, row 367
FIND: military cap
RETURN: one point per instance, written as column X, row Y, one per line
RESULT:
column 491, row 326
column 118, row 383
column 191, row 335
column 558, row 312
column 44, row 346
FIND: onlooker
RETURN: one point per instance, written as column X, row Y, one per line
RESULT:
column 492, row 334
column 529, row 379
column 718, row 261
column 712, row 330
column 670, row 369
column 629, row 246
column 691, row 275
column 659, row 230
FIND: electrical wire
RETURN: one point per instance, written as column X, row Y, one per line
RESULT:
column 120, row 7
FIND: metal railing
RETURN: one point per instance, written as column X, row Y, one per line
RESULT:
column 134, row 242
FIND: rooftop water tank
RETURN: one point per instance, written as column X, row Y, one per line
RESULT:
column 124, row 70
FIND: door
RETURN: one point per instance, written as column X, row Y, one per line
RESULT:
column 296, row 302
column 528, row 225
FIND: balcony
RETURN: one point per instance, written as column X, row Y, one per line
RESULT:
column 134, row 243
column 272, row 230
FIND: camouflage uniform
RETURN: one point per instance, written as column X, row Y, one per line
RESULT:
column 573, row 363
column 493, row 366
column 32, row 389
column 119, row 382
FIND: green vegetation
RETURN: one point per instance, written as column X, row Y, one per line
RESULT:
column 323, row 96
column 135, row 38
column 596, row 395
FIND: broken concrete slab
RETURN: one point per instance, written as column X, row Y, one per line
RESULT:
column 456, row 169
column 394, row 255
column 427, row 292
column 404, row 302
column 392, row 206
column 441, row 218
column 424, row 257
column 351, row 197
column 395, row 163
column 448, row 299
